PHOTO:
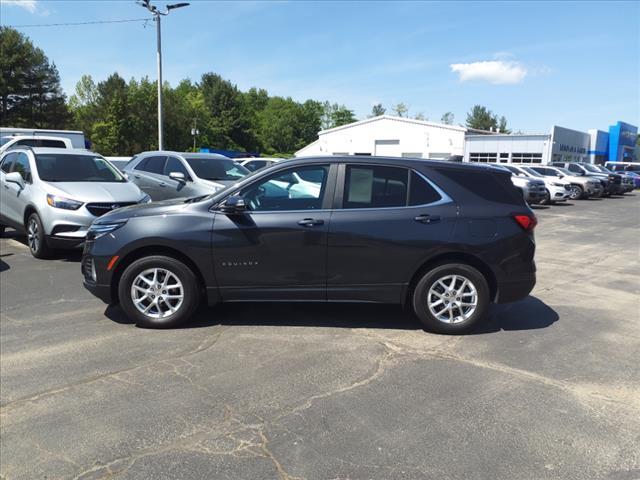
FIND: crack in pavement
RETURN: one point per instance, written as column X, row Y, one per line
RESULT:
column 207, row 343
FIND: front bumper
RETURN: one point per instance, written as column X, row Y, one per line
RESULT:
column 558, row 194
column 103, row 292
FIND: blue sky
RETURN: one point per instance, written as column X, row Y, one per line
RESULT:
column 575, row 64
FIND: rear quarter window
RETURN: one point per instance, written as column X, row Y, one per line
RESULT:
column 490, row 186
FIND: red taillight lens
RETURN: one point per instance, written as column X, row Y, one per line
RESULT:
column 527, row 222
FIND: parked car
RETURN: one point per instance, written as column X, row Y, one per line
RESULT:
column 533, row 190
column 445, row 239
column 581, row 186
column 168, row 175
column 11, row 142
column 557, row 190
column 635, row 176
column 612, row 183
column 627, row 180
column 623, row 166
column 253, row 164
column 54, row 195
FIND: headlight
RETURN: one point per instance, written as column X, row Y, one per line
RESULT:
column 145, row 199
column 61, row 202
column 558, row 184
column 97, row 230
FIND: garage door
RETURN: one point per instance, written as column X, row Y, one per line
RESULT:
column 388, row 148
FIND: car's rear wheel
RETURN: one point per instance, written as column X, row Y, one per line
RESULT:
column 576, row 192
column 36, row 239
column 451, row 298
column 158, row 292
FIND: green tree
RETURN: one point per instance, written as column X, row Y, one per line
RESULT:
column 30, row 92
column 482, row 118
column 502, row 125
column 401, row 110
column 377, row 110
column 447, row 118
column 420, row 116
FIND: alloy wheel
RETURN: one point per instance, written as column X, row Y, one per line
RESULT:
column 157, row 293
column 33, row 235
column 452, row 299
column 574, row 193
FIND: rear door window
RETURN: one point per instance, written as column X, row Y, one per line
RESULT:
column 52, row 144
column 375, row 186
column 154, row 164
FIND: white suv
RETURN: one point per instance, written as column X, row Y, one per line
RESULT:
column 56, row 194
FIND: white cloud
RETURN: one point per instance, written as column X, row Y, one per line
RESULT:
column 498, row 72
column 29, row 5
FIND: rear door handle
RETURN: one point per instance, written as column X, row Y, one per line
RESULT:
column 136, row 176
column 427, row 218
column 310, row 222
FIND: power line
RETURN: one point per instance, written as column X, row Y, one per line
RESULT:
column 78, row 23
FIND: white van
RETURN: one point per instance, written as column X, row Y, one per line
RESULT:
column 29, row 137
column 623, row 166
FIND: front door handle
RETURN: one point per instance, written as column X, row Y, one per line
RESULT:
column 162, row 184
column 427, row 218
column 136, row 176
column 310, row 222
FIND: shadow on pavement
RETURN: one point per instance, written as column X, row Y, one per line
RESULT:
column 563, row 204
column 66, row 255
column 528, row 314
column 4, row 266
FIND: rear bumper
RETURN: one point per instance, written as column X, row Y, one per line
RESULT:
column 514, row 290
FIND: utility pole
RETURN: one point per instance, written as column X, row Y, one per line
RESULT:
column 195, row 132
column 157, row 14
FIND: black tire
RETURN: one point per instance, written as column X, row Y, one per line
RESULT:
column 576, row 192
column 36, row 239
column 431, row 278
column 190, row 292
column 547, row 199
column 2, row 227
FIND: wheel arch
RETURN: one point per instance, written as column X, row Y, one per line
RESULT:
column 147, row 251
column 454, row 257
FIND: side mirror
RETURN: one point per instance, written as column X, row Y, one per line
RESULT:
column 15, row 177
column 233, row 205
column 179, row 176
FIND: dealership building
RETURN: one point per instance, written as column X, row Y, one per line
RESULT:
column 560, row 145
column 391, row 136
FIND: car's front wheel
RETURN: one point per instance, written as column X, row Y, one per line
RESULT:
column 159, row 292
column 35, row 237
column 451, row 298
column 576, row 192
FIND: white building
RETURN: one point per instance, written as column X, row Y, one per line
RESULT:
column 386, row 135
column 561, row 145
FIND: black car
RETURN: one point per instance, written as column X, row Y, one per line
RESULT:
column 444, row 239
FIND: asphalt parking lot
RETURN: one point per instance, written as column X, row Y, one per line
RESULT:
column 550, row 388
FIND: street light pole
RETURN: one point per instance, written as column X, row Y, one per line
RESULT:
column 159, row 58
column 157, row 15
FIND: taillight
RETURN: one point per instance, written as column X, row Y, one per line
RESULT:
column 527, row 222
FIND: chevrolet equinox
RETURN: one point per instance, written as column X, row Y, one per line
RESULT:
column 443, row 239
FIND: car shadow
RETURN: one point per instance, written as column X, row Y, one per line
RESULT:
column 563, row 204
column 528, row 314
column 66, row 255
column 4, row 266
column 539, row 207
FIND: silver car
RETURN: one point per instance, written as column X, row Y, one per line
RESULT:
column 55, row 195
column 168, row 175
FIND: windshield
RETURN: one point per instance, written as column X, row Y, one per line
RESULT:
column 4, row 140
column 603, row 169
column 532, row 172
column 209, row 168
column 565, row 171
column 591, row 168
column 76, row 168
